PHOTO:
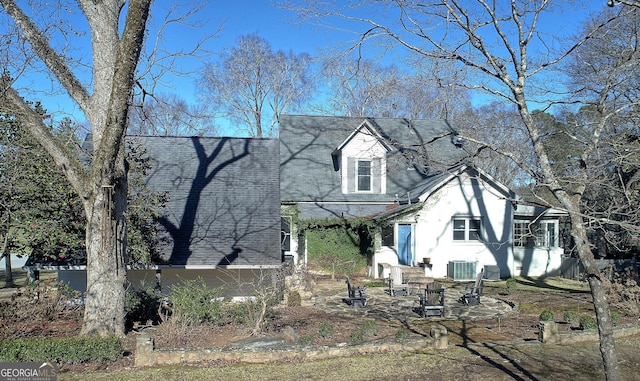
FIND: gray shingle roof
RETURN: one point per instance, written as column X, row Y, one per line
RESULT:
column 224, row 205
column 306, row 142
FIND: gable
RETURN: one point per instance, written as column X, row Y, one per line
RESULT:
column 365, row 138
column 310, row 163
column 475, row 177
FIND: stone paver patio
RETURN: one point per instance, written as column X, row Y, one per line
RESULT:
column 380, row 305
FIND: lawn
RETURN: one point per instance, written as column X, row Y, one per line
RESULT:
column 481, row 362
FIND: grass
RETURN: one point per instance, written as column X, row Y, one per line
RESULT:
column 20, row 276
column 539, row 284
column 531, row 362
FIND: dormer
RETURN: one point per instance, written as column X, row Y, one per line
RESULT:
column 362, row 161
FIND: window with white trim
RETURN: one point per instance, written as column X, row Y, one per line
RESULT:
column 285, row 233
column 363, row 175
column 535, row 234
column 467, row 228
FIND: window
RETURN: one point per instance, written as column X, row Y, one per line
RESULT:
column 532, row 234
column 387, row 236
column 467, row 229
column 363, row 180
column 285, row 233
column 521, row 235
column 546, row 234
column 364, row 175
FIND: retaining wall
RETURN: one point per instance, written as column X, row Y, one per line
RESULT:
column 549, row 334
column 147, row 355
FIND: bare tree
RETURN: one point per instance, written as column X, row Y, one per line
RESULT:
column 103, row 188
column 362, row 87
column 169, row 115
column 253, row 85
column 507, row 54
column 41, row 42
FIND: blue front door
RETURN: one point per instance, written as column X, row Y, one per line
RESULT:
column 404, row 244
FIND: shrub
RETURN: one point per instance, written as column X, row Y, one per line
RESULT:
column 369, row 329
column 235, row 313
column 70, row 350
column 356, row 338
column 141, row 306
column 337, row 247
column 588, row 322
column 294, row 299
column 546, row 315
column 325, row 330
column 512, row 285
column 306, row 340
column 615, row 317
column 571, row 317
column 402, row 333
column 194, row 303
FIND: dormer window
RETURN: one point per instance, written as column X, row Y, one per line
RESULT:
column 364, row 176
column 361, row 159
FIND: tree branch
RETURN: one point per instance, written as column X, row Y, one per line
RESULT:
column 54, row 62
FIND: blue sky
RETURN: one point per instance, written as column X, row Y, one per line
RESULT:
column 241, row 17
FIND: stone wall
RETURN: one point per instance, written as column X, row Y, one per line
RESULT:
column 549, row 334
column 147, row 355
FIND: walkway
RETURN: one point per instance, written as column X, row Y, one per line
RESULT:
column 383, row 306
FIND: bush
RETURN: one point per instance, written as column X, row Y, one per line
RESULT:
column 306, row 340
column 141, row 306
column 338, row 248
column 356, row 338
column 236, row 312
column 325, row 330
column 546, row 315
column 369, row 329
column 402, row 333
column 571, row 317
column 512, row 285
column 194, row 303
column 615, row 317
column 294, row 299
column 70, row 350
column 588, row 322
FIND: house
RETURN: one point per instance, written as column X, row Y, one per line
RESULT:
column 462, row 220
column 222, row 220
column 409, row 176
column 346, row 167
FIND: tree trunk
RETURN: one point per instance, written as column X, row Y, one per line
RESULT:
column 6, row 254
column 106, row 271
column 571, row 202
column 600, row 303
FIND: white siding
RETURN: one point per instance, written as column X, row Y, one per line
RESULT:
column 537, row 261
column 465, row 196
column 363, row 146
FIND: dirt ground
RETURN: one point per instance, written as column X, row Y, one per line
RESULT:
column 519, row 325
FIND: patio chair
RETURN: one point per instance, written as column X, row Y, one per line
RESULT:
column 473, row 291
column 397, row 283
column 357, row 295
column 432, row 302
